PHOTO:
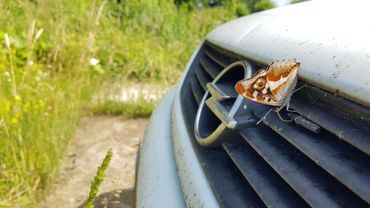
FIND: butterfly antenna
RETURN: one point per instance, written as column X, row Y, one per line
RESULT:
column 301, row 87
column 288, row 107
column 281, row 118
column 263, row 118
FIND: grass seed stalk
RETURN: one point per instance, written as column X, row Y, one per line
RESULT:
column 98, row 179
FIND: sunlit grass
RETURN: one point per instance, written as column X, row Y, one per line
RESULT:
column 129, row 109
column 47, row 81
column 44, row 85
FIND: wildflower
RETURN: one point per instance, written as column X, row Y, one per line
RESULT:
column 17, row 98
column 7, row 74
column 14, row 121
column 7, row 41
column 38, row 34
column 94, row 61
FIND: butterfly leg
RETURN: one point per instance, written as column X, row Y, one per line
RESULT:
column 288, row 104
column 281, row 118
column 263, row 118
column 288, row 108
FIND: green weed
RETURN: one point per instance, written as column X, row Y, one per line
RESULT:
column 98, row 179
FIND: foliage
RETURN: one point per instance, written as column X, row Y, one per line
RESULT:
column 47, row 76
column 46, row 79
column 130, row 109
column 42, row 91
column 98, row 179
column 262, row 5
column 258, row 5
column 297, row 1
column 241, row 10
column 157, row 26
column 244, row 6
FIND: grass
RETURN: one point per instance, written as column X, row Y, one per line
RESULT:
column 40, row 69
column 130, row 109
column 132, row 100
column 98, row 179
column 47, row 80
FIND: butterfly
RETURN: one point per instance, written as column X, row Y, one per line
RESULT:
column 272, row 86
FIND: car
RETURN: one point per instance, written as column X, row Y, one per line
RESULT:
column 204, row 148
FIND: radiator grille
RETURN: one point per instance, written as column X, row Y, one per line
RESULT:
column 281, row 164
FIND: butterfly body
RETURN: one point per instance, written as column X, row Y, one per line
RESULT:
column 272, row 86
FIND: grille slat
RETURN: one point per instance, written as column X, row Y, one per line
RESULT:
column 218, row 57
column 273, row 191
column 343, row 128
column 342, row 161
column 206, row 69
column 210, row 66
column 197, row 89
column 313, row 184
column 202, row 77
column 234, row 191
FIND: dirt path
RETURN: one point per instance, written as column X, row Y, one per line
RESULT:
column 94, row 137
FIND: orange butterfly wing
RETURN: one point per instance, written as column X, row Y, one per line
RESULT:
column 260, row 94
column 272, row 86
column 282, row 79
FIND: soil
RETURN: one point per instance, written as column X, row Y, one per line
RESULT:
column 95, row 135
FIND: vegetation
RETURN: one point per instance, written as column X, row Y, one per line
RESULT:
column 98, row 179
column 297, row 1
column 131, row 109
column 55, row 54
column 258, row 5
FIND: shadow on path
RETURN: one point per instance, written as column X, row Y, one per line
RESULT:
column 115, row 199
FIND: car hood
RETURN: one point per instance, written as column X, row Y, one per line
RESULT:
column 329, row 38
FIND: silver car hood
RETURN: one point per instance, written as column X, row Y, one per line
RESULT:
column 331, row 39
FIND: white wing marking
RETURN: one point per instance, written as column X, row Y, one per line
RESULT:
column 276, row 84
column 255, row 93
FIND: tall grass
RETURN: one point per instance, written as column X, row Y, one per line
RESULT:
column 42, row 91
column 46, row 79
column 153, row 39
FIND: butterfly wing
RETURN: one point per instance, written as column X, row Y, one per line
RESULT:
column 273, row 86
column 257, row 89
column 282, row 79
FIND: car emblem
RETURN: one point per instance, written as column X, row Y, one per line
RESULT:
column 222, row 110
